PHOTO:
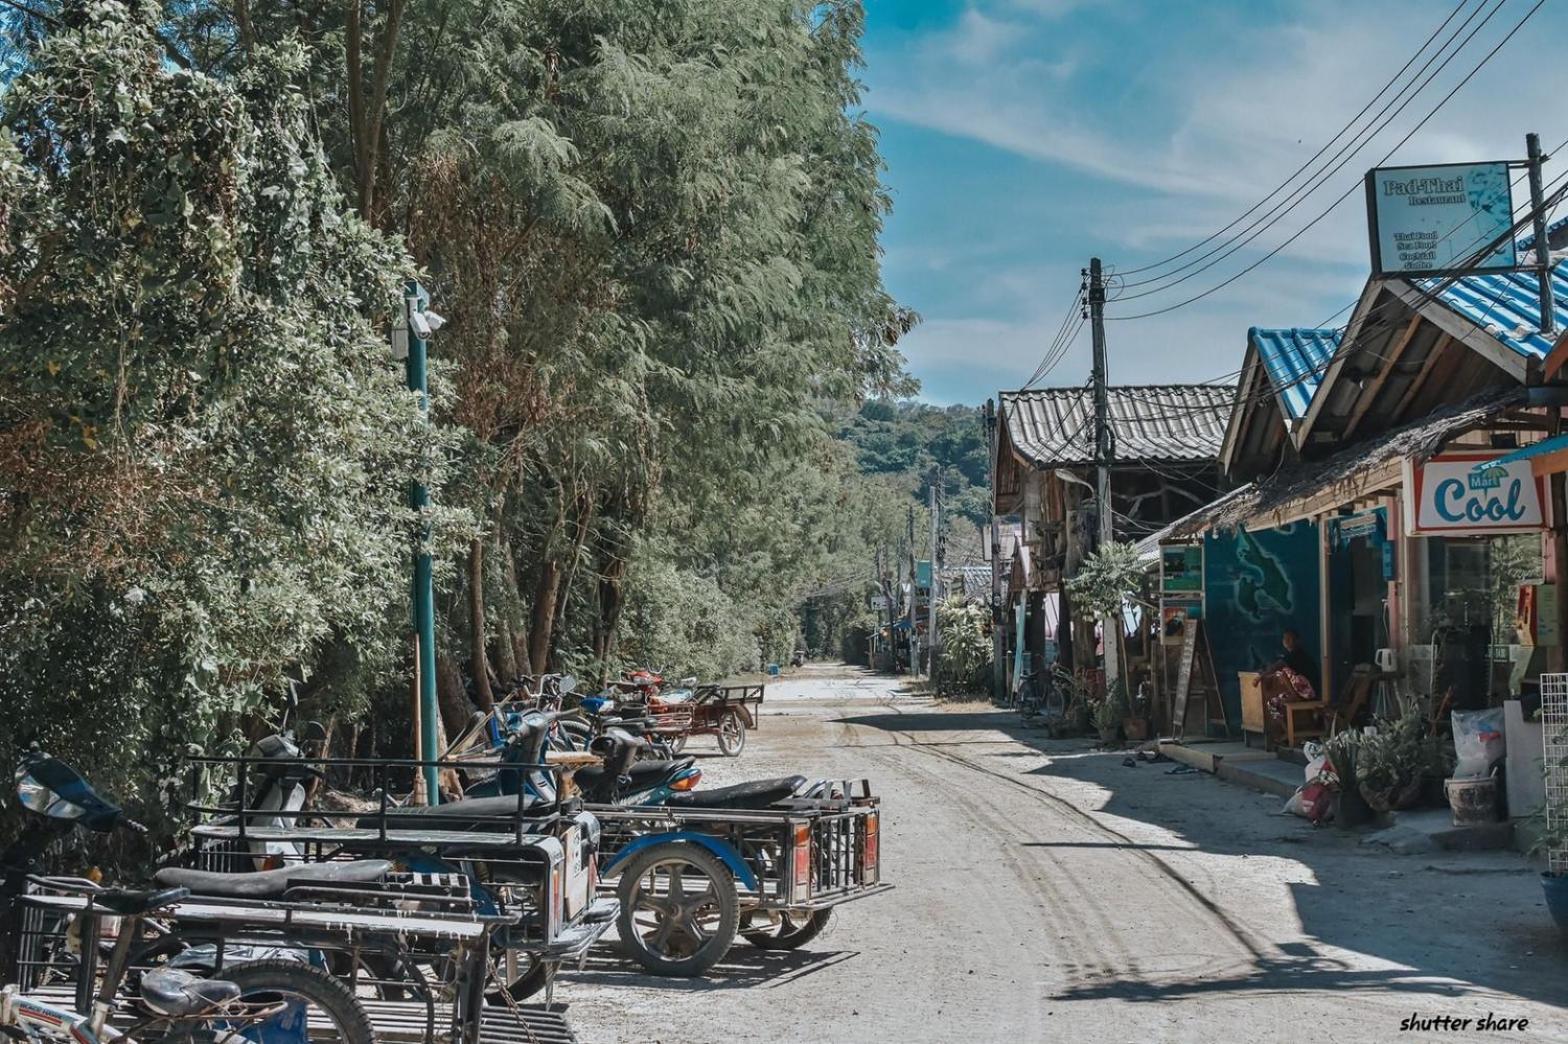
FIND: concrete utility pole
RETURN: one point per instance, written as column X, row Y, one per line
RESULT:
column 1104, row 453
column 931, row 632
column 914, row 658
column 1543, row 247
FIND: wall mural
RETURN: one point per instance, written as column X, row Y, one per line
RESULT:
column 1257, row 585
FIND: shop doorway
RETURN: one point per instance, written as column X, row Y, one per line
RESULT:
column 1359, row 564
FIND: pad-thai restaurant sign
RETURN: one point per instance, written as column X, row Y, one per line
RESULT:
column 1460, row 494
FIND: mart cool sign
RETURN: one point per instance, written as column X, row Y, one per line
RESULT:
column 1459, row 494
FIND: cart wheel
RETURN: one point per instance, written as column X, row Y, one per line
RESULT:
column 678, row 744
column 792, row 931
column 679, row 910
column 732, row 734
column 525, row 975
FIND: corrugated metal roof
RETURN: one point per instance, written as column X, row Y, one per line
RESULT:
column 1295, row 361
column 1507, row 306
column 1155, row 422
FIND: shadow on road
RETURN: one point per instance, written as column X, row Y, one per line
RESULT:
column 744, row 967
column 1442, row 921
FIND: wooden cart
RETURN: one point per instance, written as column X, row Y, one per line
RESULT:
column 725, row 711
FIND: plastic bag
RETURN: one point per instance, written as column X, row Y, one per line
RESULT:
column 1478, row 740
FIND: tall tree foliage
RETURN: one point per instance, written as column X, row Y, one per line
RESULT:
column 203, row 441
column 653, row 228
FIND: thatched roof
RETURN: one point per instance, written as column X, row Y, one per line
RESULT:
column 1419, row 439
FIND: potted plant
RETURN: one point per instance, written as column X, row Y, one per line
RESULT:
column 1393, row 762
column 1344, row 753
column 1108, row 712
column 1552, row 820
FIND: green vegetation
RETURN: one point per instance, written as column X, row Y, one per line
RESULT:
column 653, row 231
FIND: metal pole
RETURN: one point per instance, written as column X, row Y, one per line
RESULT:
column 1543, row 248
column 931, row 632
column 1104, row 452
column 914, row 659
column 424, row 588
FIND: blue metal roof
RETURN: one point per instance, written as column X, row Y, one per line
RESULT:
column 1294, row 360
column 1506, row 305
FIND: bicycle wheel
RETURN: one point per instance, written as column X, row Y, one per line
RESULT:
column 316, row 1004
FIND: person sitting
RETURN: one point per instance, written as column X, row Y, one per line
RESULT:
column 1288, row 678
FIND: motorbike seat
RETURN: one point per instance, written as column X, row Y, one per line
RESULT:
column 129, row 903
column 639, row 772
column 271, row 884
column 170, row 991
column 759, row 793
column 451, row 814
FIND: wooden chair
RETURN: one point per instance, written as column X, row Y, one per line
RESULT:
column 1354, row 696
column 1311, row 712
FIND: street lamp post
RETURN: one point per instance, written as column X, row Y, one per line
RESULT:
column 412, row 340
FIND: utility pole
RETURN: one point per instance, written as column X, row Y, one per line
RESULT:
column 417, row 372
column 931, row 632
column 914, row 658
column 1543, row 248
column 1104, row 453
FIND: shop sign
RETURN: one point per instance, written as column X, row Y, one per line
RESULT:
column 1181, row 569
column 1457, row 494
column 1435, row 219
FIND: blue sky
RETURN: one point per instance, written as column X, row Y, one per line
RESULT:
column 1022, row 136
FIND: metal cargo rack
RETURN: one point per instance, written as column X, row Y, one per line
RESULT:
column 514, row 856
column 807, row 854
column 336, row 919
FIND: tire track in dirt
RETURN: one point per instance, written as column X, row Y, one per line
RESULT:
column 1241, row 936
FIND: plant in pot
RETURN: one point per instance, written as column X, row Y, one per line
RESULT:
column 1108, row 712
column 1344, row 753
column 1552, row 822
column 1393, row 762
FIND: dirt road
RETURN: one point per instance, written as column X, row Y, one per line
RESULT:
column 1050, row 892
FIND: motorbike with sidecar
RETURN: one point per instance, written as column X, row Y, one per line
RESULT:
column 767, row 860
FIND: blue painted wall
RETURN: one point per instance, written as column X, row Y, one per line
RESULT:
column 1255, row 586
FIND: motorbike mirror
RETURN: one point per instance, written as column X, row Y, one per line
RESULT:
column 566, row 685
column 52, row 788
column 315, row 732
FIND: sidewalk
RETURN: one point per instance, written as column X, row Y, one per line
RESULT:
column 1418, row 830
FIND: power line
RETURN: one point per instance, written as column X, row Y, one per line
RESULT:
column 1319, row 178
column 1326, row 146
column 1354, row 186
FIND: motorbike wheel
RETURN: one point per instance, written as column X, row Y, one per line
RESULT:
column 679, row 910
column 678, row 744
column 576, row 735
column 312, row 994
column 732, row 734
column 792, row 931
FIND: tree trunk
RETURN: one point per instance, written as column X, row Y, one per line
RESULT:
column 542, row 624
column 455, row 706
column 579, row 538
column 480, row 663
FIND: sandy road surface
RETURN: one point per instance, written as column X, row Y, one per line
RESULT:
column 1049, row 892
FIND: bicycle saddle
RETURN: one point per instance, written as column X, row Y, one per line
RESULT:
column 131, row 903
column 169, row 991
column 271, row 884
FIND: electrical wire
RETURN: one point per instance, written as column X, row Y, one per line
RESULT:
column 1293, row 175
column 1346, row 194
column 1334, row 165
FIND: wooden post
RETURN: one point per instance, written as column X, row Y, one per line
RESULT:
column 419, row 796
